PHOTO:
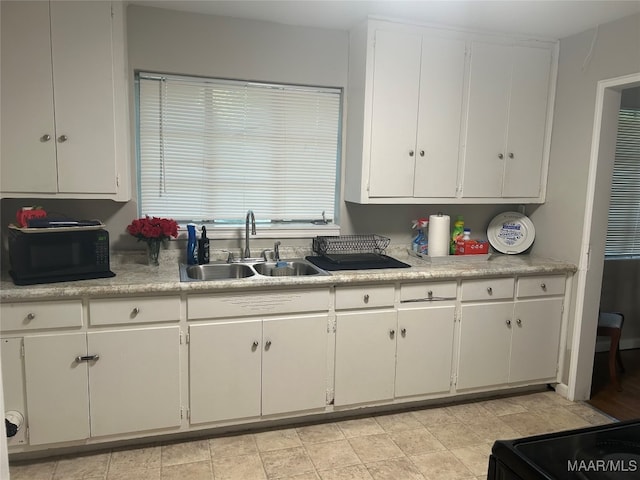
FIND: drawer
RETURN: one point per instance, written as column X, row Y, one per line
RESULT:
column 487, row 289
column 37, row 315
column 200, row 307
column 116, row 311
column 433, row 291
column 365, row 297
column 541, row 285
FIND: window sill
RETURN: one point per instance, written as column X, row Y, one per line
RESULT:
column 265, row 231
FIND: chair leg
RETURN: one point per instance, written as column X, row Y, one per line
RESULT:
column 613, row 353
column 619, row 359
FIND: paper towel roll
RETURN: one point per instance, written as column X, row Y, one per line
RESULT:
column 439, row 235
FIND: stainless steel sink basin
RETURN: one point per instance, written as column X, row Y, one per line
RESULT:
column 286, row 269
column 248, row 270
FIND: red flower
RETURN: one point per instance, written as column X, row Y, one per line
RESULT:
column 153, row 227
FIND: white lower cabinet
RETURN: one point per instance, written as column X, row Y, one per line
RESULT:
column 247, row 368
column 101, row 383
column 365, row 356
column 424, row 350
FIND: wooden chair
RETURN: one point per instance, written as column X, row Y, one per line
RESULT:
column 610, row 325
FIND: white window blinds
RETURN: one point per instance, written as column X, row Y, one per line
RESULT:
column 623, row 232
column 211, row 149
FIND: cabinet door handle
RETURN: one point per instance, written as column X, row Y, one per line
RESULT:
column 422, row 153
column 430, row 294
column 366, row 298
column 403, row 332
column 267, row 345
column 490, row 290
column 63, row 138
column 31, row 316
column 411, row 153
column 508, row 322
column 87, row 358
column 519, row 322
column 543, row 286
column 500, row 156
column 511, row 155
column 255, row 344
column 135, row 311
column 392, row 333
column 45, row 138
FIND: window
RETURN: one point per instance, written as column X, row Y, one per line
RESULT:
column 211, row 149
column 623, row 232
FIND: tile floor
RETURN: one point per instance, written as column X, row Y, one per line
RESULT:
column 443, row 443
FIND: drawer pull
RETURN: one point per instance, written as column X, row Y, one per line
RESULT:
column 87, row 358
column 430, row 294
column 543, row 286
column 366, row 298
column 31, row 316
column 490, row 290
column 135, row 311
column 508, row 322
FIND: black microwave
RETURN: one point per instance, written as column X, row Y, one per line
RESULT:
column 49, row 256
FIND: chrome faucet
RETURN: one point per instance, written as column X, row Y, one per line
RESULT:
column 276, row 251
column 250, row 219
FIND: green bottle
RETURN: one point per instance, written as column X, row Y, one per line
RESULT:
column 458, row 232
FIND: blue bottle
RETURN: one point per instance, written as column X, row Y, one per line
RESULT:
column 192, row 245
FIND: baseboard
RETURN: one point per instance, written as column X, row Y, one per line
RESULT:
column 625, row 344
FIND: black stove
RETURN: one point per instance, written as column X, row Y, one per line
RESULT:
column 605, row 452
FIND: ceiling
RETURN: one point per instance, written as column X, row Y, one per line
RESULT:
column 540, row 18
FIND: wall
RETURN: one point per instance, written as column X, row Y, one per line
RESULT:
column 560, row 220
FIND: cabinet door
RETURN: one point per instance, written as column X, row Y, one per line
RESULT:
column 425, row 350
column 83, row 77
column 294, row 363
column 396, row 80
column 135, row 384
column 28, row 160
column 13, row 383
column 536, row 339
column 485, row 344
column 439, row 117
column 365, row 356
column 527, row 122
column 57, row 386
column 487, row 116
column 224, row 370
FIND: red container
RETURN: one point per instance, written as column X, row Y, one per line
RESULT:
column 472, row 247
column 25, row 213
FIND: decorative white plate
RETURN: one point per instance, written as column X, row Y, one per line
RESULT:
column 511, row 232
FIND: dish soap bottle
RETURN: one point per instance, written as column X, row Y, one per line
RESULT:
column 419, row 244
column 192, row 245
column 458, row 231
column 203, row 247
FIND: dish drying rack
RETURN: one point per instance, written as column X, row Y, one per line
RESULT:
column 352, row 248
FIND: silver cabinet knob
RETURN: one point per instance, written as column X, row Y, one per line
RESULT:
column 511, row 155
column 411, row 153
column 490, row 290
column 267, row 345
column 135, row 311
column 508, row 322
column 403, row 332
column 500, row 156
column 45, row 138
column 63, row 138
column 422, row 153
column 31, row 316
column 430, row 294
column 543, row 286
column 254, row 345
column 366, row 298
column 392, row 332
column 519, row 322
column 87, row 358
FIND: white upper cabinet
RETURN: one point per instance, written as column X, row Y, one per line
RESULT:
column 64, row 100
column 506, row 123
column 446, row 116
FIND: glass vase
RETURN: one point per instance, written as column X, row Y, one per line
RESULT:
column 153, row 251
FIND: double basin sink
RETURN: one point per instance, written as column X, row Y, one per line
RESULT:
column 257, row 269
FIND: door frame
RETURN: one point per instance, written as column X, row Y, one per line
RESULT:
column 591, row 262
